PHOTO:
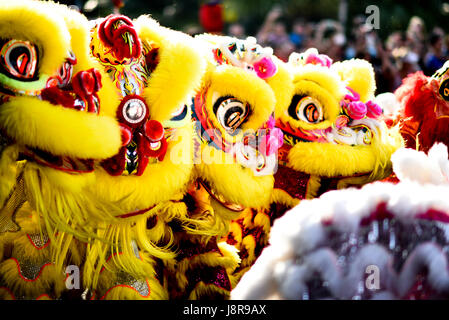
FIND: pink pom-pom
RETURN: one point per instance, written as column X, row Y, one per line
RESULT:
column 356, row 110
column 374, row 110
column 272, row 145
column 325, row 60
column 265, row 68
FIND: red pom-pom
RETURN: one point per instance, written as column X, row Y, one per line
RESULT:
column 153, row 149
column 56, row 96
column 211, row 17
column 117, row 33
column 83, row 84
column 154, row 130
column 86, row 83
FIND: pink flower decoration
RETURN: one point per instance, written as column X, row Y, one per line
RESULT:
column 265, row 68
column 273, row 140
column 279, row 135
column 321, row 59
column 356, row 110
column 271, row 122
column 374, row 110
column 327, row 62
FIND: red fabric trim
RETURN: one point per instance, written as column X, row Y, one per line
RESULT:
column 37, row 248
column 127, row 286
column 61, row 162
column 225, row 205
column 135, row 213
column 10, row 292
column 20, row 271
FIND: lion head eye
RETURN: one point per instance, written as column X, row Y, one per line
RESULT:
column 306, row 108
column 18, row 59
column 231, row 113
column 180, row 114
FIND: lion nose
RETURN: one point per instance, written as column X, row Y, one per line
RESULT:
column 154, row 130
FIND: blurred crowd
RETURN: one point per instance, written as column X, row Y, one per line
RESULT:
column 403, row 52
column 393, row 58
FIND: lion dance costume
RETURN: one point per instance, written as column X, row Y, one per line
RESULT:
column 87, row 123
column 56, row 121
column 333, row 139
column 424, row 109
column 148, row 177
column 157, row 164
column 235, row 155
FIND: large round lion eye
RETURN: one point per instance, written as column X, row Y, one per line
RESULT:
column 231, row 113
column 19, row 59
column 306, row 108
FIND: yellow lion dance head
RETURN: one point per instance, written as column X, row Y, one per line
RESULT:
column 237, row 150
column 236, row 147
column 56, row 121
column 155, row 71
column 333, row 138
column 333, row 134
column 56, row 104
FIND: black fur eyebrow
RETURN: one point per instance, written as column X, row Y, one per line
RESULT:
column 219, row 101
column 182, row 115
column 293, row 104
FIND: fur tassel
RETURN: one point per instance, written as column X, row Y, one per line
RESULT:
column 8, row 171
column 419, row 102
column 109, row 245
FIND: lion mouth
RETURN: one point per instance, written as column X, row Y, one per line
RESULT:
column 62, row 163
column 45, row 158
column 355, row 133
column 220, row 198
column 81, row 94
column 358, row 133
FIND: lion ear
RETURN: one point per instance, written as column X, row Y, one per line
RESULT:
column 359, row 75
